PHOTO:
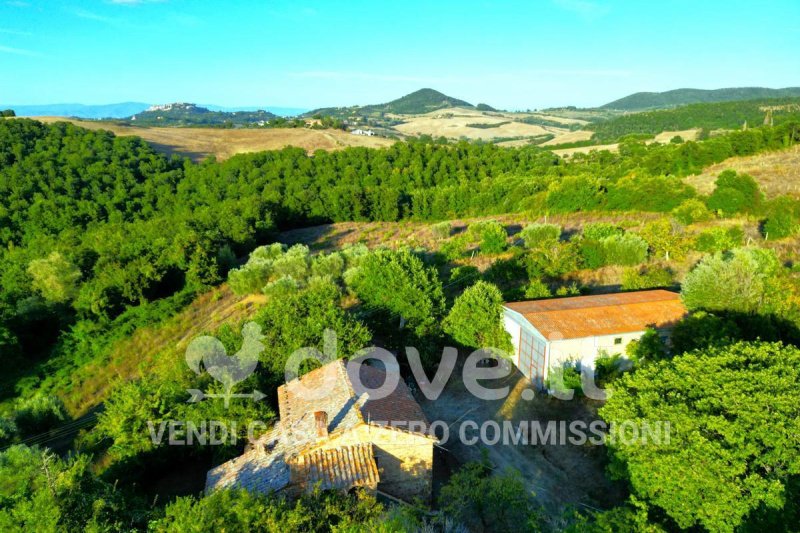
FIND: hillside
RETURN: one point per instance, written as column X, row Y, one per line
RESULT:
column 709, row 116
column 186, row 114
column 222, row 143
column 677, row 97
column 416, row 103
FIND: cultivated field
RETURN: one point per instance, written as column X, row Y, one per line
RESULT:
column 776, row 172
column 458, row 122
column 199, row 143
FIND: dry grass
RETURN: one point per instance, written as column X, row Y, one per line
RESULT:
column 454, row 123
column 776, row 172
column 571, row 137
column 199, row 143
column 155, row 350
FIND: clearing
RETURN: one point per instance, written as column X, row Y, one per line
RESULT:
column 776, row 172
column 200, row 143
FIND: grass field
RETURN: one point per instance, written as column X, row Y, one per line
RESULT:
column 776, row 172
column 199, row 143
column 454, row 123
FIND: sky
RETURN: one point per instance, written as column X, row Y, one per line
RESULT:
column 527, row 54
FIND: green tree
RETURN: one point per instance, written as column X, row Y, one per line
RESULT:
column 745, row 280
column 499, row 502
column 732, row 447
column 399, row 282
column 476, row 319
column 55, row 278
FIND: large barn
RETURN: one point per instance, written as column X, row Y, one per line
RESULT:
column 341, row 441
column 548, row 333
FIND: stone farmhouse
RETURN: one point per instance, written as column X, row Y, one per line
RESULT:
column 547, row 333
column 340, row 441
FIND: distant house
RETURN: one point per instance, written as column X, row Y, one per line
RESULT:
column 547, row 333
column 342, row 441
column 368, row 133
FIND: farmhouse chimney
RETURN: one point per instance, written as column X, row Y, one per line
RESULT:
column 321, row 423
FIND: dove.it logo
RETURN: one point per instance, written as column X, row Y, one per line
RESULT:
column 227, row 369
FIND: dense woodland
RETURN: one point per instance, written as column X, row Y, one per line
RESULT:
column 102, row 235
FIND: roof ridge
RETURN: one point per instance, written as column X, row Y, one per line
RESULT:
column 573, row 309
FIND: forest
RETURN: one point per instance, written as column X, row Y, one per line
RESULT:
column 103, row 236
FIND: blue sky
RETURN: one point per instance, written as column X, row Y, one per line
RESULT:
column 510, row 54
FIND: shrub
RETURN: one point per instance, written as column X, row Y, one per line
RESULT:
column 719, row 239
column 735, row 193
column 648, row 348
column 691, row 211
column 328, row 265
column 646, row 278
column 493, row 236
column 593, row 253
column 281, row 287
column 597, row 231
column 607, row 369
column 781, row 220
column 39, row 413
column 442, row 230
column 534, row 235
column 569, row 290
column 537, row 289
column 565, row 377
column 627, row 249
column 294, row 263
column 552, row 261
column 727, row 201
column 666, row 239
column 455, row 248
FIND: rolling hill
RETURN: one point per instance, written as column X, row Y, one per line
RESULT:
column 185, row 114
column 677, row 97
column 416, row 103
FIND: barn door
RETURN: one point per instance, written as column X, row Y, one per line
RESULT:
column 532, row 358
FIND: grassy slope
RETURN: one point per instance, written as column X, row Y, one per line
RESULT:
column 199, row 143
column 676, row 97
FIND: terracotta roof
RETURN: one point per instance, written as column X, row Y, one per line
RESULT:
column 288, row 455
column 337, row 468
column 602, row 314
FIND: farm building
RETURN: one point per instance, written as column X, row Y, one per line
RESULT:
column 340, row 441
column 547, row 333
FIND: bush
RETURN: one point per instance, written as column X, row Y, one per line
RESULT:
column 666, row 239
column 493, row 236
column 442, row 230
column 565, row 377
column 597, row 231
column 735, row 193
column 534, row 235
column 537, row 289
column 627, row 249
column 328, row 265
column 719, row 239
column 648, row 348
column 608, row 368
column 781, row 220
column 569, row 290
column 455, row 248
column 691, row 211
column 553, row 261
column 38, row 414
column 646, row 278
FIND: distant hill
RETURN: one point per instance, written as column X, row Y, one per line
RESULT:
column 709, row 116
column 416, row 103
column 186, row 114
column 120, row 110
column 677, row 97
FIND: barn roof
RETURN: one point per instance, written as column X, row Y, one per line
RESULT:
column 343, row 467
column 602, row 314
